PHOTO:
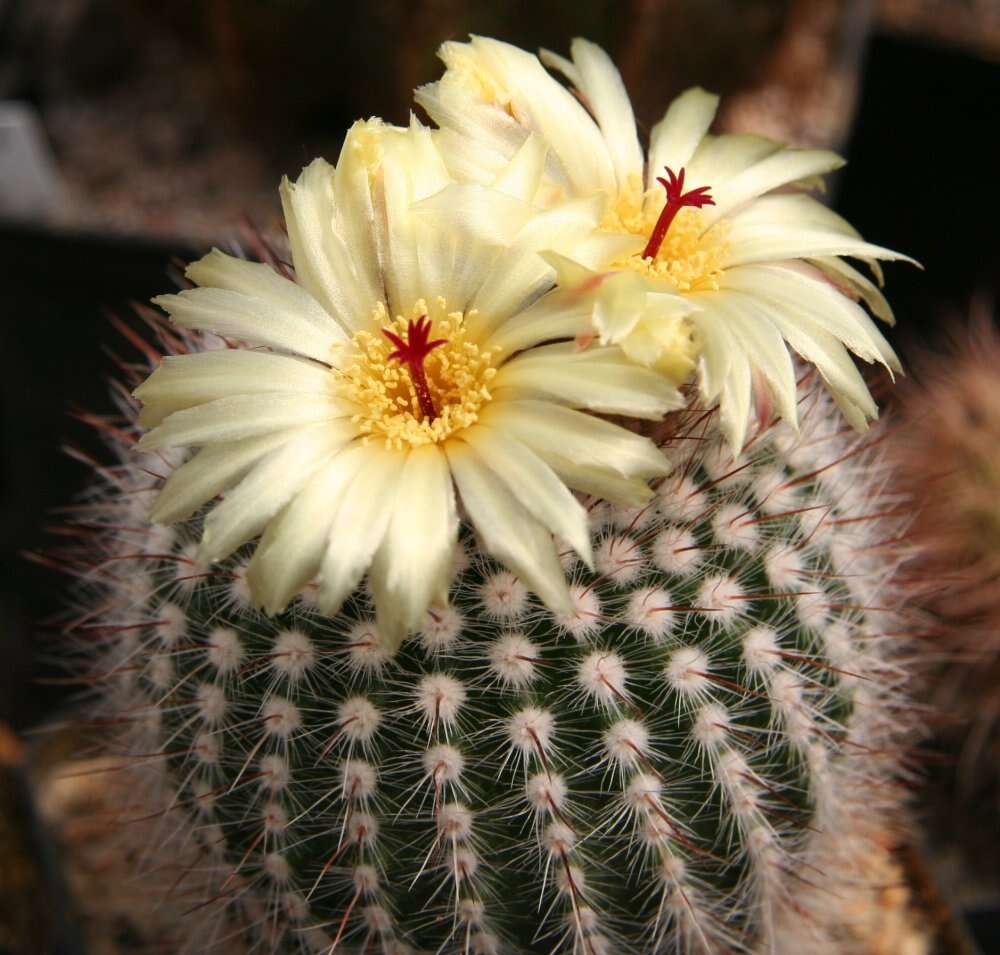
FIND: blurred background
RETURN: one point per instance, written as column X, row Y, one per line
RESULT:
column 136, row 133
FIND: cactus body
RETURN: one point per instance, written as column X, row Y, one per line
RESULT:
column 686, row 764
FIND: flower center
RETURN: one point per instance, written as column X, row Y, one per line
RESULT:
column 412, row 388
column 678, row 249
column 412, row 353
column 676, row 200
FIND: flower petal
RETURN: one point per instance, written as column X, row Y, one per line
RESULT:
column 719, row 158
column 475, row 210
column 818, row 302
column 813, row 222
column 267, row 488
column 779, row 169
column 747, row 245
column 554, row 316
column 817, row 346
column 242, row 416
column 508, row 532
column 472, row 159
column 599, row 379
column 210, row 472
column 599, row 482
column 257, row 320
column 600, row 83
column 481, row 132
column 417, row 261
column 187, row 380
column 715, row 356
column 522, row 176
column 355, row 214
column 578, row 437
column 541, row 492
column 841, row 271
column 760, row 341
column 415, row 562
column 262, row 282
column 360, row 520
column 514, row 280
column 541, row 104
column 291, row 550
column 324, row 265
column 674, row 139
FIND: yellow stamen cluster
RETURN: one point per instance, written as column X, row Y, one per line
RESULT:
column 625, row 214
column 688, row 260
column 458, row 376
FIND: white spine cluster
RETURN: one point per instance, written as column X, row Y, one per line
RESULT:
column 682, row 764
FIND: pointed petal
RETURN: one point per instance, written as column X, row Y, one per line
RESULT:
column 551, row 318
column 820, row 348
column 719, row 158
column 540, row 491
column 735, row 401
column 472, row 159
column 515, row 279
column 210, row 472
column 355, row 213
column 507, row 531
column 481, row 132
column 267, row 488
column 242, row 416
column 715, row 356
column 779, row 169
column 598, row 79
column 289, row 554
column 820, row 303
column 323, row 263
column 602, row 483
column 762, row 343
column 674, row 139
column 747, row 245
column 724, row 376
column 475, row 210
column 599, row 379
column 260, row 281
column 522, row 176
column 861, row 285
column 800, row 223
column 545, row 106
column 360, row 521
column 579, row 438
column 253, row 319
column 183, row 381
column 415, row 561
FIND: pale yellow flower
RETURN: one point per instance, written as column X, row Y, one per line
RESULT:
column 408, row 359
column 732, row 283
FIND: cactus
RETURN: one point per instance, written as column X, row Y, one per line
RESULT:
column 948, row 453
column 687, row 763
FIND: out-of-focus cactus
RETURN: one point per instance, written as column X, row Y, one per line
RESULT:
column 692, row 761
column 947, row 453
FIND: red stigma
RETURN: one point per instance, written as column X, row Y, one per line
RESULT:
column 412, row 353
column 677, row 199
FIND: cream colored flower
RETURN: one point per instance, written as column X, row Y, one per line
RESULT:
column 407, row 359
column 700, row 266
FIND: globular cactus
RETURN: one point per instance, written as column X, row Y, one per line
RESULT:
column 947, row 453
column 690, row 762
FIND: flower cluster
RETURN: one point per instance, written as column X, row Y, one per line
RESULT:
column 464, row 307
